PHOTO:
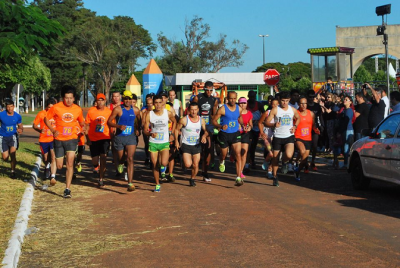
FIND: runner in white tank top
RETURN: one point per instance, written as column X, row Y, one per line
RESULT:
column 284, row 117
column 159, row 137
column 191, row 126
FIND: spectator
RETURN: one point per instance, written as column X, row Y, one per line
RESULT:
column 330, row 109
column 345, row 128
column 377, row 111
column 329, row 87
column 395, row 100
column 314, row 107
column 367, row 97
column 385, row 100
column 362, row 113
column 294, row 98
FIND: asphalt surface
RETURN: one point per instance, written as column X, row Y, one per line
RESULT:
column 317, row 222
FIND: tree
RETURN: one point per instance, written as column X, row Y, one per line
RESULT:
column 108, row 46
column 362, row 75
column 25, row 32
column 304, row 84
column 196, row 54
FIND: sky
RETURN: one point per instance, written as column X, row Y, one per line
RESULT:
column 293, row 26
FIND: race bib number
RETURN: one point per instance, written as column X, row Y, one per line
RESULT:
column 286, row 121
column 127, row 131
column 99, row 128
column 9, row 129
column 192, row 139
column 48, row 133
column 305, row 131
column 232, row 123
column 206, row 119
column 159, row 136
column 67, row 131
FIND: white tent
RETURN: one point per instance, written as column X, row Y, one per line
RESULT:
column 392, row 72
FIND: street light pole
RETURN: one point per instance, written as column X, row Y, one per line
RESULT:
column 263, row 37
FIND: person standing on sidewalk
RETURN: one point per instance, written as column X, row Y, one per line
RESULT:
column 283, row 141
column 98, row 135
column 11, row 126
column 191, row 126
column 160, row 138
column 66, row 116
column 229, row 134
column 125, row 135
column 46, row 140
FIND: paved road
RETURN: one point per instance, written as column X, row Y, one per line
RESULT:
column 317, row 222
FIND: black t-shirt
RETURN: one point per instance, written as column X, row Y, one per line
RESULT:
column 333, row 114
column 317, row 110
column 206, row 105
column 376, row 113
column 362, row 120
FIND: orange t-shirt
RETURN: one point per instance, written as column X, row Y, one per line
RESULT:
column 66, row 119
column 97, row 121
column 46, row 136
column 303, row 130
column 81, row 135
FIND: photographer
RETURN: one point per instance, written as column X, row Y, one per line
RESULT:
column 377, row 111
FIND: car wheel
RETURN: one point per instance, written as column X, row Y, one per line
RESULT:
column 360, row 182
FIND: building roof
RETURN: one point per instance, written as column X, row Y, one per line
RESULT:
column 182, row 79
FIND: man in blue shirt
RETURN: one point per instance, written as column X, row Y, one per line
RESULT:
column 11, row 126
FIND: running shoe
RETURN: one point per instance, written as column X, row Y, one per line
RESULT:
column 12, row 175
column 171, row 178
column 79, row 167
column 47, row 172
column 126, row 176
column 242, row 176
column 222, row 167
column 284, row 168
column 67, row 193
column 313, row 167
column 158, row 188
column 206, row 178
column 212, row 165
column 131, row 187
column 238, row 182
column 96, row 170
column 269, row 175
column 163, row 177
column 306, row 171
column 265, row 165
column 53, row 181
column 100, row 183
column 192, row 183
column 297, row 173
column 290, row 167
column 120, row 168
column 275, row 182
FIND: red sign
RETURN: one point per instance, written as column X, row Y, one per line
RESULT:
column 271, row 77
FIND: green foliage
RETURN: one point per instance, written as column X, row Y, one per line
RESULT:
column 24, row 32
column 303, row 85
column 34, row 76
column 196, row 54
column 362, row 75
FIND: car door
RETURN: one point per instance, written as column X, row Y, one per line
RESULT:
column 382, row 148
column 395, row 161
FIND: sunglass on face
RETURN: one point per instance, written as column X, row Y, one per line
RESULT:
column 207, row 90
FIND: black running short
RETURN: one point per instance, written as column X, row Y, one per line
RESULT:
column 307, row 144
column 61, row 147
column 190, row 149
column 99, row 147
column 278, row 144
column 227, row 139
column 245, row 137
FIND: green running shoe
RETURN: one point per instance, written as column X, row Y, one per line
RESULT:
column 120, row 168
column 222, row 167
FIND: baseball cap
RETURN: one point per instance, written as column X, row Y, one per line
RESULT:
column 164, row 93
column 242, row 100
column 101, row 96
column 127, row 93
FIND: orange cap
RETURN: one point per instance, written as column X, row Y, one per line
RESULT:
column 101, row 96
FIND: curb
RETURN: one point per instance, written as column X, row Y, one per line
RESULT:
column 13, row 250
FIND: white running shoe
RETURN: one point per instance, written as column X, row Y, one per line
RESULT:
column 126, row 176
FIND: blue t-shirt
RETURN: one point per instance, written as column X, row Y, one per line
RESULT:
column 349, row 113
column 127, row 119
column 231, row 119
column 9, row 123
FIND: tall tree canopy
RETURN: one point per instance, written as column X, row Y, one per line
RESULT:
column 24, row 32
column 196, row 54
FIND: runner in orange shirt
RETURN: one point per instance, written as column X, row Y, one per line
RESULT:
column 46, row 140
column 98, row 136
column 66, row 114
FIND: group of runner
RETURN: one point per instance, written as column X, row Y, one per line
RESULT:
column 207, row 126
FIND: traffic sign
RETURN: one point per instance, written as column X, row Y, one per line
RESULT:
column 271, row 77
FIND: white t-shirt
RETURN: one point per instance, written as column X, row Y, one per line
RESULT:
column 286, row 119
column 387, row 108
column 159, row 125
column 191, row 132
